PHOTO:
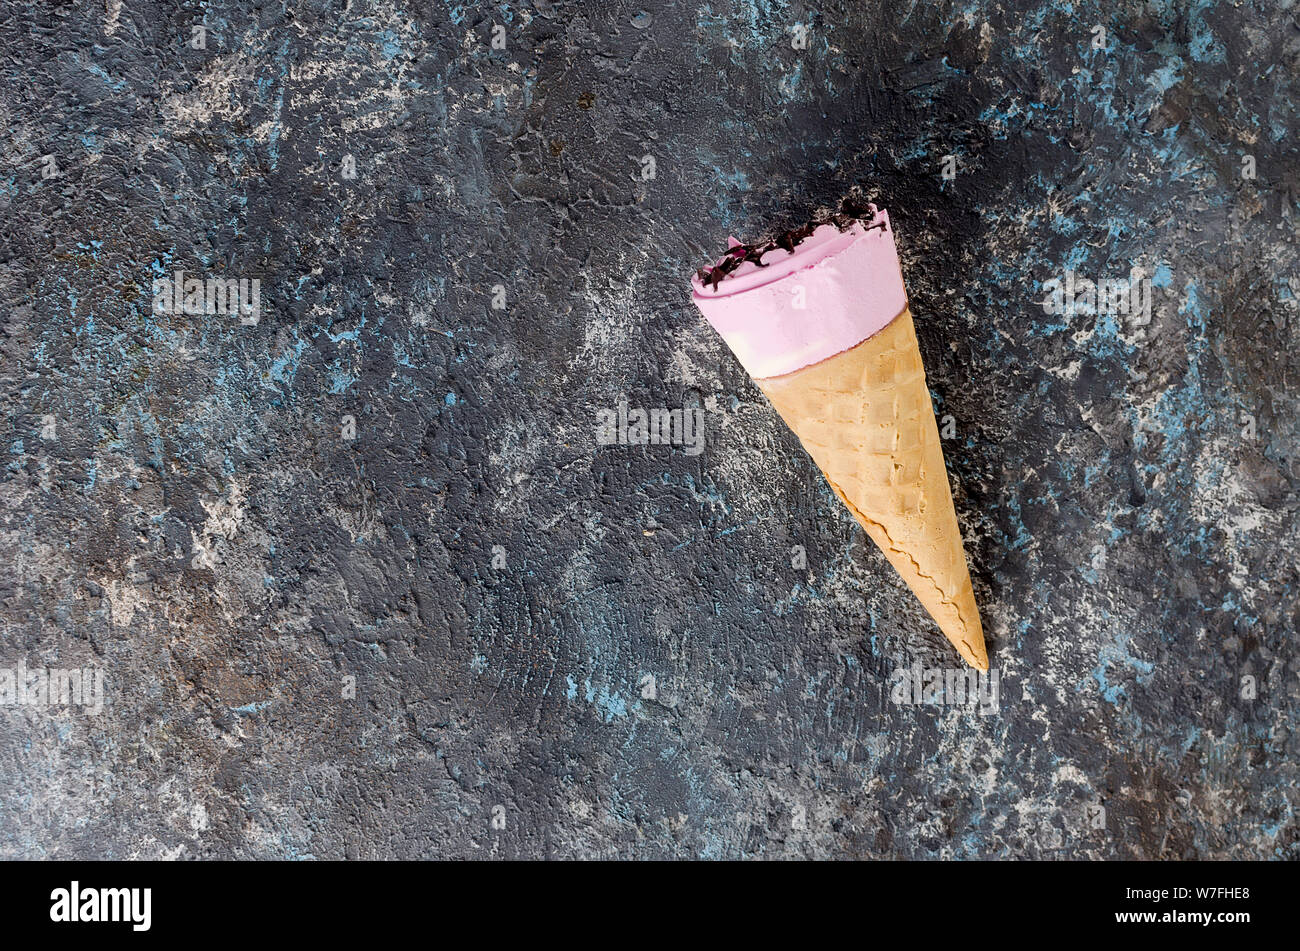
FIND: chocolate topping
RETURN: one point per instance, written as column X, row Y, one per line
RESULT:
column 851, row 211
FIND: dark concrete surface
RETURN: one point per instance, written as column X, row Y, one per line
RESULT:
column 435, row 639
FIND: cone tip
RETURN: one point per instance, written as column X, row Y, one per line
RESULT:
column 979, row 659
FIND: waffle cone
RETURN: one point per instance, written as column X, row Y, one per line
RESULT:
column 865, row 417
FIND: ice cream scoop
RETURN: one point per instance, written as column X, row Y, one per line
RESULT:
column 784, row 309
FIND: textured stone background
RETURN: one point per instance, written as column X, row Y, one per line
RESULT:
column 1133, row 548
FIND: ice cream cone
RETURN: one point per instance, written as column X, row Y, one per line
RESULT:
column 864, row 416
column 825, row 330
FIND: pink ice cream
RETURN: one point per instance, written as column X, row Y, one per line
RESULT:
column 835, row 290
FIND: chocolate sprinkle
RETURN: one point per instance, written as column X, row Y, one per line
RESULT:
column 851, row 212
